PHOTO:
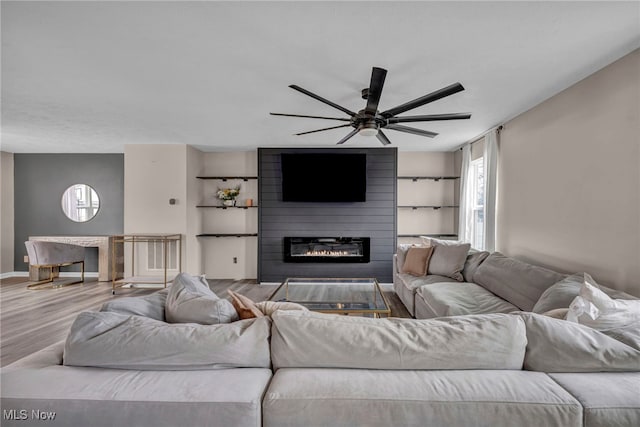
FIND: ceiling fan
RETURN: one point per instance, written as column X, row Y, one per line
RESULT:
column 370, row 121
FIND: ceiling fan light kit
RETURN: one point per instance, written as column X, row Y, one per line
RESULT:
column 368, row 129
column 370, row 122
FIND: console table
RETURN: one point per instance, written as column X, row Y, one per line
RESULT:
column 110, row 254
column 119, row 281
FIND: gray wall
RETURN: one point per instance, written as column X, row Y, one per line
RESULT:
column 375, row 218
column 40, row 180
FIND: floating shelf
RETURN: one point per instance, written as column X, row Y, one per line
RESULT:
column 225, row 207
column 427, row 235
column 434, row 178
column 227, row 235
column 427, row 207
column 225, row 178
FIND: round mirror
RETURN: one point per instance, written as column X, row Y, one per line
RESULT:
column 80, row 203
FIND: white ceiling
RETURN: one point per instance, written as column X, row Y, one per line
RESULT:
column 90, row 77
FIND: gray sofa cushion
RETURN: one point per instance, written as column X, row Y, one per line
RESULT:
column 151, row 306
column 309, row 339
column 448, row 260
column 358, row 397
column 405, row 286
column 515, row 281
column 112, row 340
column 108, row 397
column 447, row 299
column 474, row 259
column 608, row 398
column 555, row 345
column 560, row 294
column 190, row 300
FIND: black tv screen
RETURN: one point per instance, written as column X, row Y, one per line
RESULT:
column 324, row 177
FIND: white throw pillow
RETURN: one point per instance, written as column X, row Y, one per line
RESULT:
column 190, row 300
column 597, row 310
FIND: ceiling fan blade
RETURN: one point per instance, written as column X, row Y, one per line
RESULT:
column 383, row 138
column 320, row 130
column 321, row 99
column 349, row 135
column 311, row 117
column 429, row 118
column 433, row 96
column 375, row 90
column 414, row 131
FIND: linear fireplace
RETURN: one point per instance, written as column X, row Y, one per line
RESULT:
column 326, row 249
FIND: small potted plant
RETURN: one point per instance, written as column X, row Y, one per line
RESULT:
column 228, row 195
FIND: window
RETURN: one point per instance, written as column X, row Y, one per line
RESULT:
column 477, row 206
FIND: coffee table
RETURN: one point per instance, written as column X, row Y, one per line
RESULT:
column 361, row 297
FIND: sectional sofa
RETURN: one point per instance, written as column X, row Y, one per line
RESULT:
column 126, row 366
column 491, row 283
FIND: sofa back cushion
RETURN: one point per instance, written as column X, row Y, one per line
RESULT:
column 113, row 340
column 518, row 282
column 190, row 300
column 151, row 306
column 314, row 340
column 555, row 345
column 474, row 259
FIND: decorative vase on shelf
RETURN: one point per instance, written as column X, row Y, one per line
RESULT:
column 228, row 195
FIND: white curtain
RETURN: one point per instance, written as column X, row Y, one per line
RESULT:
column 465, row 217
column 490, row 188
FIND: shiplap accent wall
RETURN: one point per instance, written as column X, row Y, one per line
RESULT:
column 374, row 218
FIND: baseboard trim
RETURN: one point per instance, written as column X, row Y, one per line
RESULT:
column 62, row 274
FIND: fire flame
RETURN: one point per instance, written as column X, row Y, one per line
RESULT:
column 327, row 253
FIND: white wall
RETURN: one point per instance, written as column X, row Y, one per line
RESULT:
column 153, row 174
column 569, row 181
column 218, row 252
column 193, row 217
column 426, row 192
column 6, row 213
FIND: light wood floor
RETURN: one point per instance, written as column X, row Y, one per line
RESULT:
column 32, row 320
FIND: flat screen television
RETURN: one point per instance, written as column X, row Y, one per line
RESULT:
column 324, row 177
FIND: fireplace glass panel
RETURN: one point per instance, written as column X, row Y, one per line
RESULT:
column 326, row 249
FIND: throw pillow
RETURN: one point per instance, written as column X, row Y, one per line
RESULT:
column 245, row 307
column 562, row 293
column 448, row 260
column 269, row 307
column 401, row 253
column 190, row 300
column 416, row 261
column 597, row 310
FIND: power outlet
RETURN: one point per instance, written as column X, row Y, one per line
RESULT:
column 235, row 259
column 26, row 259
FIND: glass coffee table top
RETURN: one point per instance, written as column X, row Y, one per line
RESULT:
column 331, row 295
